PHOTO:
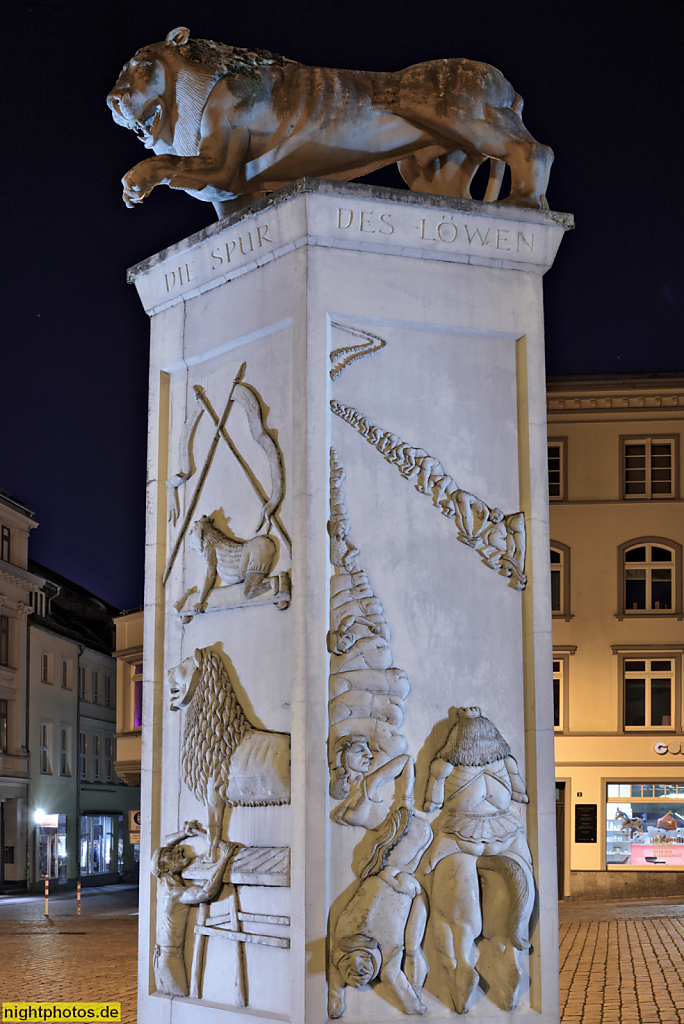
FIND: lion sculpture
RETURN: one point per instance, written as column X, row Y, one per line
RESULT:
column 228, row 124
column 226, row 761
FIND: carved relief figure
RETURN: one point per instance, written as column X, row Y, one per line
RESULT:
column 367, row 693
column 475, row 780
column 341, row 358
column 225, row 760
column 229, row 124
column 499, row 539
column 235, row 561
column 379, row 932
column 187, row 466
column 174, row 900
column 248, row 399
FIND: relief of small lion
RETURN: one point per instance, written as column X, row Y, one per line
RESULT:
column 229, row 124
column 235, row 561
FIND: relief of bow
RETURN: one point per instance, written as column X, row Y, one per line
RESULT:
column 248, row 398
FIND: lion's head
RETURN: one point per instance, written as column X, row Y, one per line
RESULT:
column 183, row 680
column 165, row 82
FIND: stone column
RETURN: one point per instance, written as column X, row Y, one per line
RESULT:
column 348, row 693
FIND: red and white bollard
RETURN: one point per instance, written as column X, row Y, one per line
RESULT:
column 47, row 893
column 78, row 899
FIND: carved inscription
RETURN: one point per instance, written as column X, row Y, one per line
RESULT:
column 447, row 228
column 455, row 233
column 499, row 539
column 246, row 243
column 179, row 277
column 249, row 243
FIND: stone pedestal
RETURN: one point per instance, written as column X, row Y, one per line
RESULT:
column 347, row 541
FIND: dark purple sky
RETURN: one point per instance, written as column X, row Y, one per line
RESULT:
column 601, row 82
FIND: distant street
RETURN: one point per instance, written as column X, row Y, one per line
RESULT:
column 91, row 958
column 621, row 963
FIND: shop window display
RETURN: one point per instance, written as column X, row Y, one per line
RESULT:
column 645, row 825
column 97, row 844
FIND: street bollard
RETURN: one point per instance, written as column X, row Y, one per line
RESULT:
column 78, row 899
column 47, row 893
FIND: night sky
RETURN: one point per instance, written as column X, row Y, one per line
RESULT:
column 601, row 83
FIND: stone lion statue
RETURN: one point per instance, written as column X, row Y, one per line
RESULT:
column 229, row 124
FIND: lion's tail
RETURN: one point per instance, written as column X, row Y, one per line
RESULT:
column 497, row 167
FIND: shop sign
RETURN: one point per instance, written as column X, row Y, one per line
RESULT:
column 134, row 819
column 668, row 748
column 585, row 823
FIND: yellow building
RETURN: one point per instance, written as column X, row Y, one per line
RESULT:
column 617, row 530
column 129, row 647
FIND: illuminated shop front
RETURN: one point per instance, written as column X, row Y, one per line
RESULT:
column 51, row 845
column 620, row 814
column 98, row 850
column 645, row 824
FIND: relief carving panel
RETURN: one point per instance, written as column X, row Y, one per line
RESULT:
column 499, row 539
column 467, row 876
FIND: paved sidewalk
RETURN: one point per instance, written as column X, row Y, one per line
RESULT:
column 91, row 958
column 622, row 962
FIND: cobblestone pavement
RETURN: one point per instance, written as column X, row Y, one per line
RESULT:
column 622, row 962
column 62, row 957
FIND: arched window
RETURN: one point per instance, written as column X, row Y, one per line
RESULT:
column 560, row 579
column 649, row 578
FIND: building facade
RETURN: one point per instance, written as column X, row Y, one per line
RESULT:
column 82, row 808
column 64, row 811
column 17, row 584
column 617, row 531
column 129, row 691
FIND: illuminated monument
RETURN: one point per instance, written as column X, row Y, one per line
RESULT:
column 347, row 756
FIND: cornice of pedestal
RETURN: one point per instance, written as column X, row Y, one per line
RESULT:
column 357, row 217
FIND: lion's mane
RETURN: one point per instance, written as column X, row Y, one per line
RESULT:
column 214, row 725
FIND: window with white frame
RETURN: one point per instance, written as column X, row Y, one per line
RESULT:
column 648, row 467
column 5, row 536
column 45, row 674
column 45, row 745
column 558, row 692
column 108, row 691
column 65, row 674
column 649, row 578
column 82, row 755
column 560, row 579
column 65, row 750
column 95, row 679
column 556, row 580
column 109, row 757
column 97, row 756
column 4, row 640
column 81, row 682
column 648, row 688
column 37, row 600
column 556, row 468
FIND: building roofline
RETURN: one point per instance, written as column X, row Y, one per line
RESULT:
column 577, row 381
column 13, row 503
